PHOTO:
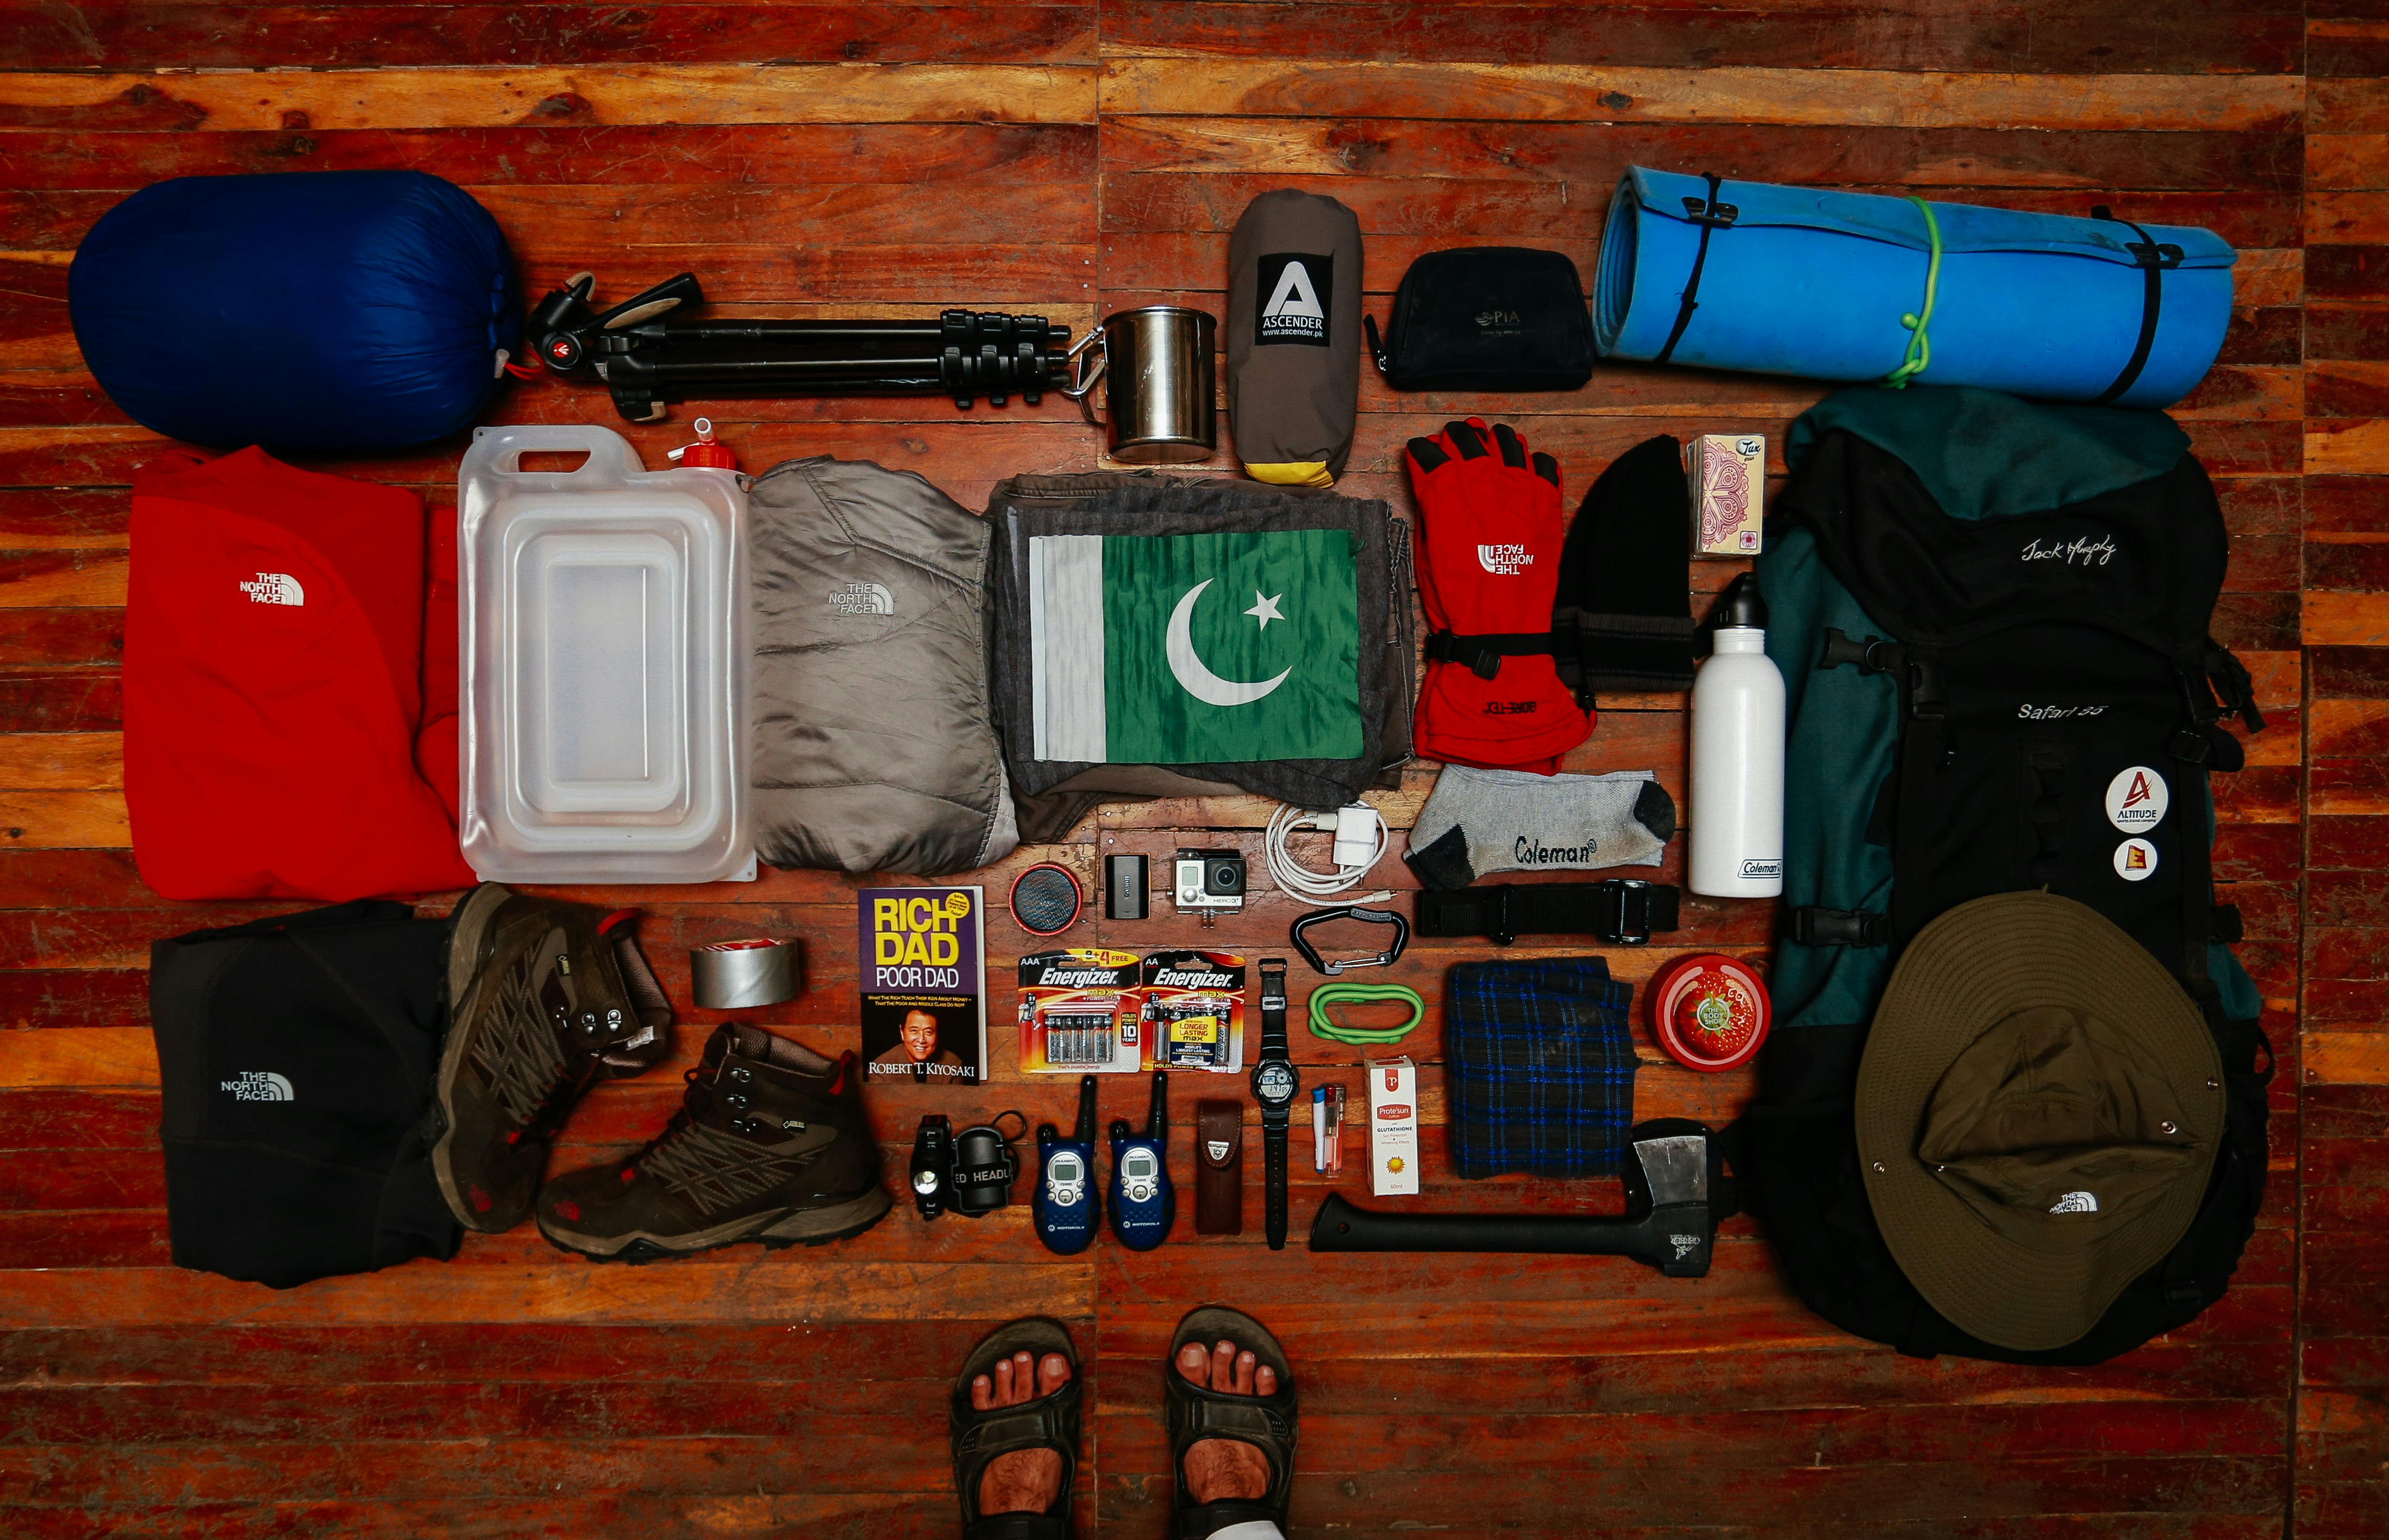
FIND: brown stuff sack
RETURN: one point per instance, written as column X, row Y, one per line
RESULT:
column 1293, row 338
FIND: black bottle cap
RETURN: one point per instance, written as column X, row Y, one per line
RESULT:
column 1742, row 608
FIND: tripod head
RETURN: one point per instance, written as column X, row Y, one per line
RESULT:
column 650, row 351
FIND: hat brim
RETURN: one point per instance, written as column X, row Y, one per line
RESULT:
column 1975, row 966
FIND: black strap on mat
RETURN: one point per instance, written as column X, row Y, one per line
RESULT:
column 2153, row 259
column 1623, row 911
column 1711, row 215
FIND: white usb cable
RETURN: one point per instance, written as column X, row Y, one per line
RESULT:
column 1360, row 839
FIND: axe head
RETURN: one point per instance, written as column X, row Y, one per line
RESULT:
column 1676, row 1185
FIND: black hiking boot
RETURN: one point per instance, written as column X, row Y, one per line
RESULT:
column 771, row 1145
column 546, row 999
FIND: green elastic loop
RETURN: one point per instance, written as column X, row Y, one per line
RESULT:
column 1920, row 347
column 1322, row 1025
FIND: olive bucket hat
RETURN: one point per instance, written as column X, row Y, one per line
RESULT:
column 2038, row 1113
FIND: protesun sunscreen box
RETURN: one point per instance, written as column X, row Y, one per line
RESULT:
column 1726, row 474
column 1393, row 1128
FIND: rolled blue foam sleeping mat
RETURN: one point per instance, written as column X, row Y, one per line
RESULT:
column 309, row 312
column 1798, row 281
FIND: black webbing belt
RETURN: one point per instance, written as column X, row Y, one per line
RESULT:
column 2153, row 259
column 1623, row 912
column 1711, row 215
column 1483, row 654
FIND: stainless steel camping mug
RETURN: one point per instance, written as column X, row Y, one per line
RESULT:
column 1157, row 367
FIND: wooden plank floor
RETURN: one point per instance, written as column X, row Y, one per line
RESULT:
column 1074, row 158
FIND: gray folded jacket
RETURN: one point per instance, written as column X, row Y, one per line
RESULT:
column 1051, row 795
column 875, row 745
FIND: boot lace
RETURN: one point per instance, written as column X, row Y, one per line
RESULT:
column 519, row 1050
column 704, row 1165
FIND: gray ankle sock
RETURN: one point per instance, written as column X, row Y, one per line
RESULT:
column 1481, row 821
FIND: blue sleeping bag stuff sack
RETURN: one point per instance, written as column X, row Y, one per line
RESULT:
column 1796, row 281
column 306, row 311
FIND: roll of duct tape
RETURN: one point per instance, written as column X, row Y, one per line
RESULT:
column 734, row 976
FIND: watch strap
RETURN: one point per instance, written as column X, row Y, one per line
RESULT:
column 1274, row 1188
column 1219, row 1168
column 1274, row 1042
column 1622, row 912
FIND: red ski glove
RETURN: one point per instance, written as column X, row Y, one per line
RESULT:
column 1490, row 528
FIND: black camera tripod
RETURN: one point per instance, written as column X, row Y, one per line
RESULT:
column 648, row 361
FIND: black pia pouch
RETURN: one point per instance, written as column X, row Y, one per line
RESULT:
column 1487, row 318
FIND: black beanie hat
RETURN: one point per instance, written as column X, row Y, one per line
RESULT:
column 1625, row 588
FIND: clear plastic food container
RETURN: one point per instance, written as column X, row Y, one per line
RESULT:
column 605, row 648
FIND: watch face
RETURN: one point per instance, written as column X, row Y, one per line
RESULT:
column 1273, row 1081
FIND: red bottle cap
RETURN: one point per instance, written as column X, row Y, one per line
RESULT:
column 1710, row 1013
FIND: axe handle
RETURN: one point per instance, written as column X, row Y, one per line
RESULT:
column 1341, row 1227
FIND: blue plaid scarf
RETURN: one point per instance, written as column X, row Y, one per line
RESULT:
column 1541, row 1067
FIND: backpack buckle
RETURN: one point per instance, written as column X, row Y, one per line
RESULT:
column 1451, row 647
column 1925, row 701
column 1840, row 927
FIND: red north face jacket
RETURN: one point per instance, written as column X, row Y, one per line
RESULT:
column 276, row 684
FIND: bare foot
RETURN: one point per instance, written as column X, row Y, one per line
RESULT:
column 1219, row 1468
column 1025, row 1481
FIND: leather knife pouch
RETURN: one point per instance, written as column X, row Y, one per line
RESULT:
column 1219, row 1168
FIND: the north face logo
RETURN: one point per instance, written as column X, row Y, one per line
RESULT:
column 1504, row 561
column 257, row 1085
column 1297, row 287
column 2075, row 1202
column 275, row 588
column 863, row 599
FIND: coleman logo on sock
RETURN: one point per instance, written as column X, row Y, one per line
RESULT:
column 275, row 588
column 1535, row 853
column 1504, row 561
column 863, row 599
column 1297, row 287
column 258, row 1086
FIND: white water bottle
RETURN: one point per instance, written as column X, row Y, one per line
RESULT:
column 1737, row 790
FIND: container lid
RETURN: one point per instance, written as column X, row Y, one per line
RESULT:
column 1709, row 1011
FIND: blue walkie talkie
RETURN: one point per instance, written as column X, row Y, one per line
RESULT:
column 1065, row 1204
column 1143, row 1204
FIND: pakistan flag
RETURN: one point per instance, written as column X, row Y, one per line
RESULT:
column 1194, row 649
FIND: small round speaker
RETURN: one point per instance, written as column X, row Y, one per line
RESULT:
column 1045, row 899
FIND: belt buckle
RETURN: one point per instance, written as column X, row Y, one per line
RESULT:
column 1633, row 913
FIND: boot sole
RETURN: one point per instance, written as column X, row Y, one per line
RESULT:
column 468, row 928
column 808, row 1226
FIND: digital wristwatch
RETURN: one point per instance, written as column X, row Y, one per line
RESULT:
column 1276, row 1086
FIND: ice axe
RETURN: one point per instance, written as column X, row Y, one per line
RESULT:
column 1677, row 1189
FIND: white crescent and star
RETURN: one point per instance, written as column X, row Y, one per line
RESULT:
column 1193, row 676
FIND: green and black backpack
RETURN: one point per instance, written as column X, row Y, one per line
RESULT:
column 1992, row 620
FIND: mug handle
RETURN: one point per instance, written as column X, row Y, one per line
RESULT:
column 1083, row 379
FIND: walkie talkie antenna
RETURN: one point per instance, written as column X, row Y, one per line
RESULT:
column 1156, row 1122
column 1085, row 1133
